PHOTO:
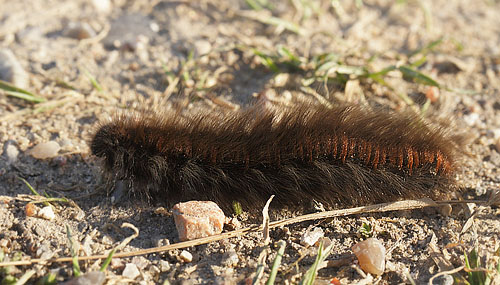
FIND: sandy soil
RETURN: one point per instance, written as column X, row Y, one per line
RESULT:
column 199, row 55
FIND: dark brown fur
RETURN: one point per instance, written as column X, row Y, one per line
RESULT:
column 343, row 156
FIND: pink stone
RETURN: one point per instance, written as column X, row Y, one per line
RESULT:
column 197, row 219
column 371, row 255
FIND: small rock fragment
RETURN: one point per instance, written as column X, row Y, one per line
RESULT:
column 45, row 150
column 161, row 211
column 116, row 263
column 102, row 6
column 471, row 119
column 140, row 262
column 30, row 210
column 46, row 213
column 444, row 280
column 128, row 30
column 11, row 70
column 131, row 271
column 202, row 47
column 311, row 236
column 445, row 210
column 10, row 152
column 371, row 255
column 432, row 94
column 79, row 31
column 186, row 256
column 230, row 258
column 164, row 266
column 89, row 278
column 196, row 219
column 497, row 145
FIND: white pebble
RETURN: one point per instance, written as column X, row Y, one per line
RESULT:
column 102, row 6
column 79, row 31
column 47, row 213
column 11, row 152
column 131, row 271
column 311, row 236
column 164, row 265
column 45, row 150
column 371, row 255
column 471, row 119
column 186, row 256
column 11, row 70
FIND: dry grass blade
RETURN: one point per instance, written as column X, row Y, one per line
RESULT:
column 265, row 18
column 265, row 221
column 26, row 276
column 458, row 269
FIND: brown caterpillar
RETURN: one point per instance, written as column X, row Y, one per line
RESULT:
column 340, row 156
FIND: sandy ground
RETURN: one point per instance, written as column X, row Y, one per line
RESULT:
column 201, row 55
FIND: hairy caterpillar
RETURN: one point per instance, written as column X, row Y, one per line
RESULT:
column 340, row 156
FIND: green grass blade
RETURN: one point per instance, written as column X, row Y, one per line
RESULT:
column 49, row 279
column 267, row 60
column 427, row 48
column 237, row 208
column 497, row 253
column 30, row 187
column 383, row 72
column 311, row 274
column 93, row 81
column 287, row 25
column 472, row 262
column 257, row 4
column 107, row 261
column 276, row 263
column 417, row 76
column 17, row 92
column 419, row 62
column 76, row 268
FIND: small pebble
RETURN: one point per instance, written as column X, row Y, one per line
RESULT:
column 45, row 150
column 311, row 236
column 445, row 210
column 131, row 271
column 444, row 280
column 79, row 31
column 497, row 145
column 116, row 263
column 11, row 152
column 128, row 30
column 164, row 266
column 230, row 258
column 46, row 213
column 371, row 255
column 102, row 6
column 202, row 47
column 186, row 256
column 11, row 70
column 89, row 278
column 432, row 94
column 196, row 219
column 471, row 119
column 140, row 261
column 30, row 210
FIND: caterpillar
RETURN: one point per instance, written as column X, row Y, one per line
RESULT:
column 344, row 155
